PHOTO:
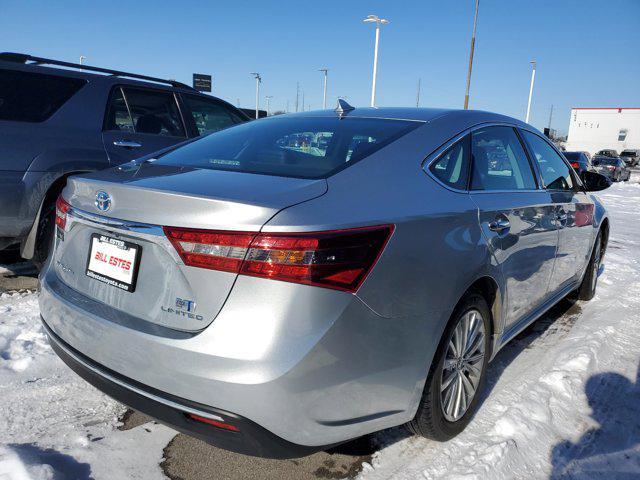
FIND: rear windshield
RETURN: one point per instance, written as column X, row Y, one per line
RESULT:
column 572, row 156
column 34, row 97
column 608, row 161
column 309, row 147
column 628, row 153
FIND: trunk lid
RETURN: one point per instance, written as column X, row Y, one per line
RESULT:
column 144, row 199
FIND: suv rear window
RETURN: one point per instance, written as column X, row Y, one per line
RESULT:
column 34, row 97
column 310, row 147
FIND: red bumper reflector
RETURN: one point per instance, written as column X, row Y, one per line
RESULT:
column 215, row 423
column 338, row 259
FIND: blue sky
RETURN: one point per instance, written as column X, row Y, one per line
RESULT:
column 588, row 52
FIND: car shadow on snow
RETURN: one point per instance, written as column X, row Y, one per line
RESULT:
column 611, row 450
column 64, row 467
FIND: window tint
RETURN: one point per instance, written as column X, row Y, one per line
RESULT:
column 313, row 147
column 118, row 117
column 34, row 97
column 209, row 115
column 154, row 112
column 499, row 161
column 452, row 168
column 555, row 172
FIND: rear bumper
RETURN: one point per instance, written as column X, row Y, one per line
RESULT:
column 250, row 439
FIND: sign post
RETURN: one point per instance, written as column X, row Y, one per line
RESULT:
column 202, row 82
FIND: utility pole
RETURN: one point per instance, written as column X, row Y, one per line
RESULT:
column 258, row 80
column 268, row 98
column 533, row 79
column 303, row 101
column 550, row 116
column 418, row 95
column 324, row 92
column 378, row 21
column 287, row 109
column 473, row 46
column 297, row 94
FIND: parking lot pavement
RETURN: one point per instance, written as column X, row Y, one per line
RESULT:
column 15, row 273
column 187, row 458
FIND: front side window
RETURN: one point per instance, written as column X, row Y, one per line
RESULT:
column 294, row 147
column 555, row 172
column 499, row 161
column 34, row 97
column 154, row 112
column 209, row 116
column 452, row 168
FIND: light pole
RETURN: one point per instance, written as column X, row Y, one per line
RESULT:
column 324, row 92
column 258, row 80
column 268, row 98
column 378, row 21
column 533, row 79
column 473, row 46
column 418, row 94
column 82, row 59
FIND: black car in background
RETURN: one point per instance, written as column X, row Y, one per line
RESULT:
column 59, row 118
column 580, row 162
column 607, row 152
column 631, row 156
column 614, row 168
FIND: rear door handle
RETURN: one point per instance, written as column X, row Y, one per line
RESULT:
column 499, row 224
column 127, row 144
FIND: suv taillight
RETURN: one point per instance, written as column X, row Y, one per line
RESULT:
column 62, row 207
column 575, row 164
column 339, row 259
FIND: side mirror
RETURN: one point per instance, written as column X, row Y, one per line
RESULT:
column 594, row 182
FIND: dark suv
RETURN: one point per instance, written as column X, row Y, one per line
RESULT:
column 56, row 122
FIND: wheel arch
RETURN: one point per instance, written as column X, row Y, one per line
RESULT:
column 488, row 287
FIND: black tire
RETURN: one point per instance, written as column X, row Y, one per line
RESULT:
column 430, row 420
column 45, row 235
column 587, row 289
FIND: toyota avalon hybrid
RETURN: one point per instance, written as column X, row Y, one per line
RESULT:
column 302, row 280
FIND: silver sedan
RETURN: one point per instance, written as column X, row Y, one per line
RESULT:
column 302, row 280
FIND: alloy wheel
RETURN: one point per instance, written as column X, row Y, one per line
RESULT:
column 462, row 367
column 596, row 264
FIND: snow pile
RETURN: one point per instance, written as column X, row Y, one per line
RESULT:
column 53, row 425
column 563, row 399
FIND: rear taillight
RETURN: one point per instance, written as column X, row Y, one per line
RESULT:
column 62, row 207
column 575, row 164
column 333, row 259
column 611, row 167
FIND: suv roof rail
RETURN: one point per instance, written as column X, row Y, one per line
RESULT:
column 24, row 58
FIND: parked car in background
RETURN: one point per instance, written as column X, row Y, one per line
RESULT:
column 631, row 157
column 275, row 299
column 614, row 168
column 579, row 161
column 607, row 152
column 56, row 122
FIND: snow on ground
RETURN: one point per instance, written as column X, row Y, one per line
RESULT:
column 53, row 425
column 563, row 402
column 563, row 399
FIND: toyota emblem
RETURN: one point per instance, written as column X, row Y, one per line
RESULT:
column 103, row 201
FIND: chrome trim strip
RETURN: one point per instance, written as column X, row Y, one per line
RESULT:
column 119, row 382
column 92, row 218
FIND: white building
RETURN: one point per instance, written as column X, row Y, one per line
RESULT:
column 593, row 129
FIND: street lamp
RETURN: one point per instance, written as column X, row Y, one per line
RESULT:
column 324, row 94
column 82, row 59
column 258, row 80
column 533, row 78
column 268, row 97
column 378, row 21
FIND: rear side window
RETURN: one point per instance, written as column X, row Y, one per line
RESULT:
column 499, row 161
column 302, row 147
column 556, row 174
column 452, row 168
column 34, row 97
column 144, row 111
column 208, row 115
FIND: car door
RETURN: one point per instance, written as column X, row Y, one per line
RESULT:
column 516, row 216
column 572, row 207
column 208, row 115
column 141, row 121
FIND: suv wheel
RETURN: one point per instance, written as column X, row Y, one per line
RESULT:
column 44, row 237
column 457, row 375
